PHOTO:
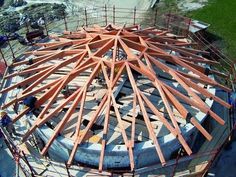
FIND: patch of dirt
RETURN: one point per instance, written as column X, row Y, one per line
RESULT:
column 190, row 5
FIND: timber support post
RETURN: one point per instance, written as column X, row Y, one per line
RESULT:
column 12, row 51
column 134, row 14
column 168, row 21
column 155, row 18
column 189, row 24
column 27, row 162
column 45, row 25
column 106, row 14
column 64, row 16
column 114, row 15
column 86, row 17
column 67, row 170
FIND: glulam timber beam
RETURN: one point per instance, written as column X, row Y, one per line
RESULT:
column 145, row 116
column 116, row 53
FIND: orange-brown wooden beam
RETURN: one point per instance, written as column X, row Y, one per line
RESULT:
column 120, row 124
column 78, row 98
column 77, row 133
column 185, row 65
column 133, row 120
column 145, row 115
column 62, row 123
column 40, row 122
column 201, row 107
column 56, row 55
column 46, row 96
column 205, row 81
column 26, row 81
column 29, row 71
column 36, row 59
column 181, row 109
column 168, row 126
column 107, row 117
column 65, row 81
column 56, row 46
column 180, row 137
column 101, row 106
column 205, row 92
column 104, row 48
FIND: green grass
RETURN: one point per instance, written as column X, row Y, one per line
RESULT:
column 221, row 14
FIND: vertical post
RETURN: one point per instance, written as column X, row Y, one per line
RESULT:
column 168, row 21
column 176, row 161
column 72, row 9
column 28, row 164
column 180, row 29
column 117, row 53
column 64, row 15
column 45, row 25
column 67, row 170
column 106, row 14
column 12, row 52
column 16, row 156
column 77, row 27
column 134, row 14
column 3, row 57
column 155, row 18
column 189, row 24
column 86, row 17
column 27, row 26
column 114, row 17
column 78, row 23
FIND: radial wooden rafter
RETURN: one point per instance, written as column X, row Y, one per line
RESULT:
column 143, row 50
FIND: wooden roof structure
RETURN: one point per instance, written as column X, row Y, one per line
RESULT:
column 111, row 54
